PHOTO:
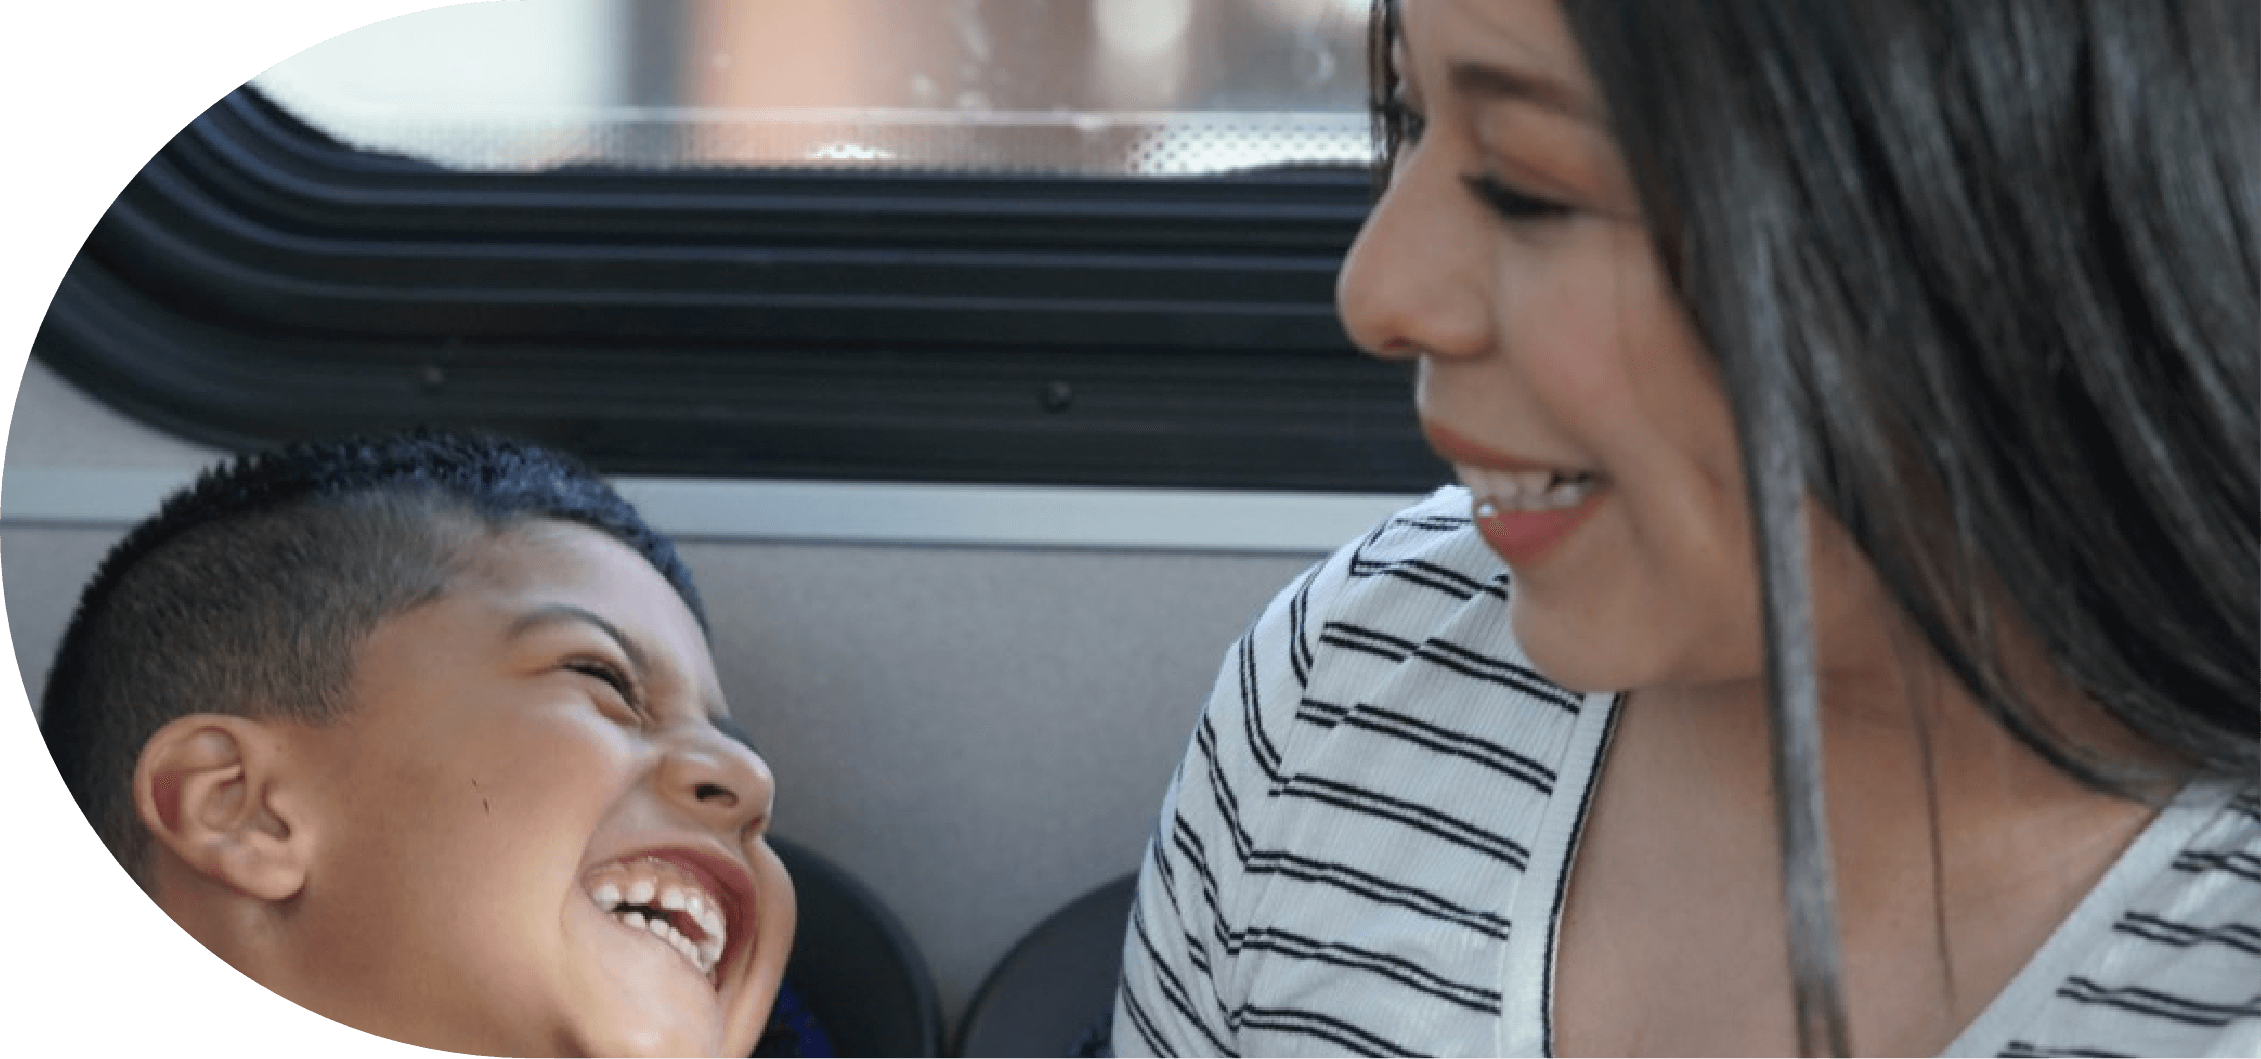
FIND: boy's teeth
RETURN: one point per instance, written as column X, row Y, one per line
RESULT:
column 685, row 947
column 658, row 888
column 703, row 955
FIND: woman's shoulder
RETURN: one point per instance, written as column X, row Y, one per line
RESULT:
column 2164, row 957
column 2181, row 970
column 2198, row 918
column 2226, row 844
column 1377, row 751
column 1423, row 558
column 2202, row 889
column 1405, row 634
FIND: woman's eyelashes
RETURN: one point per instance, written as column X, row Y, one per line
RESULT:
column 1402, row 125
column 1511, row 204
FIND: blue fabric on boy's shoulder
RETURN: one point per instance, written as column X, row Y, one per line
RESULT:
column 793, row 1029
column 1097, row 1041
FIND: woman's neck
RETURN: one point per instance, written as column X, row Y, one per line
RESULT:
column 1941, row 821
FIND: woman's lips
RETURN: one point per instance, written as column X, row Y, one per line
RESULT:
column 1523, row 538
column 1522, row 507
column 1458, row 448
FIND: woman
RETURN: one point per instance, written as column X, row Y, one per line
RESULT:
column 1862, row 384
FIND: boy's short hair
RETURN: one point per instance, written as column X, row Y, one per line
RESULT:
column 249, row 591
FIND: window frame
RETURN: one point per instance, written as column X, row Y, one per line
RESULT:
column 260, row 282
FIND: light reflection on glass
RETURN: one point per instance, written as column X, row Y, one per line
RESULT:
column 1076, row 86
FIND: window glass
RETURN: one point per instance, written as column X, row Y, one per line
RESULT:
column 1095, row 87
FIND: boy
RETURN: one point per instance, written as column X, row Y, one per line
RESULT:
column 422, row 733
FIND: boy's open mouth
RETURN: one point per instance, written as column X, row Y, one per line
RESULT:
column 666, row 900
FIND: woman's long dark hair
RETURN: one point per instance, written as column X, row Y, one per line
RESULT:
column 1983, row 278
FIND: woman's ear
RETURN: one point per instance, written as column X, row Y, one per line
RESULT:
column 205, row 787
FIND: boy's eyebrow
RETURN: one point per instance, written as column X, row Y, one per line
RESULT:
column 556, row 613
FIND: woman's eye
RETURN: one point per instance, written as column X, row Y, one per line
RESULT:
column 1403, row 124
column 1511, row 204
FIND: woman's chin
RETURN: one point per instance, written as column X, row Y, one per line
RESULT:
column 1587, row 647
column 1580, row 660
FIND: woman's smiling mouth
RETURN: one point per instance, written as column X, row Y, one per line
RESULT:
column 1521, row 507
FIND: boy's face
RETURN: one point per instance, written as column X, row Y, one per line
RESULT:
column 520, row 759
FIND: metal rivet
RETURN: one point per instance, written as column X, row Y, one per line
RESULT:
column 1058, row 396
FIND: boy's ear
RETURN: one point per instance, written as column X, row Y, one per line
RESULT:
column 205, row 787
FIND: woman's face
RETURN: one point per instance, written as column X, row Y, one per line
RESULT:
column 1508, row 257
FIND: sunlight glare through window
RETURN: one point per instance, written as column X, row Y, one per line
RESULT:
column 1105, row 87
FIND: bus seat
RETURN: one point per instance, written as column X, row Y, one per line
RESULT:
column 853, row 967
column 1054, row 991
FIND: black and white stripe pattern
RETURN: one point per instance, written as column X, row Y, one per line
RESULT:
column 2240, row 936
column 1383, row 938
column 1364, row 850
column 2163, row 959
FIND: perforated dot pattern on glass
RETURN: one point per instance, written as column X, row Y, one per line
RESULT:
column 1105, row 87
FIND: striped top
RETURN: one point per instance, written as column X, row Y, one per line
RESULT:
column 1365, row 850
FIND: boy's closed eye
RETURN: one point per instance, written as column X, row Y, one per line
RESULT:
column 622, row 678
column 615, row 677
column 629, row 693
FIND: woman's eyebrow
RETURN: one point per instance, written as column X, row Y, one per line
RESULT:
column 545, row 614
column 1486, row 82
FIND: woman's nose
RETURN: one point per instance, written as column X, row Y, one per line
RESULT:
column 717, row 779
column 1413, row 283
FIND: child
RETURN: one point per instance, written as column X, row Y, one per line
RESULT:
column 422, row 733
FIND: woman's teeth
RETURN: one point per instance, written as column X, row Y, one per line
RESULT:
column 655, row 897
column 1524, row 491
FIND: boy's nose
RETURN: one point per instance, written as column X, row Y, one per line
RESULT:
column 718, row 780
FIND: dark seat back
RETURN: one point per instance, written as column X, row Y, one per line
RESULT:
column 854, row 966
column 1052, row 994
